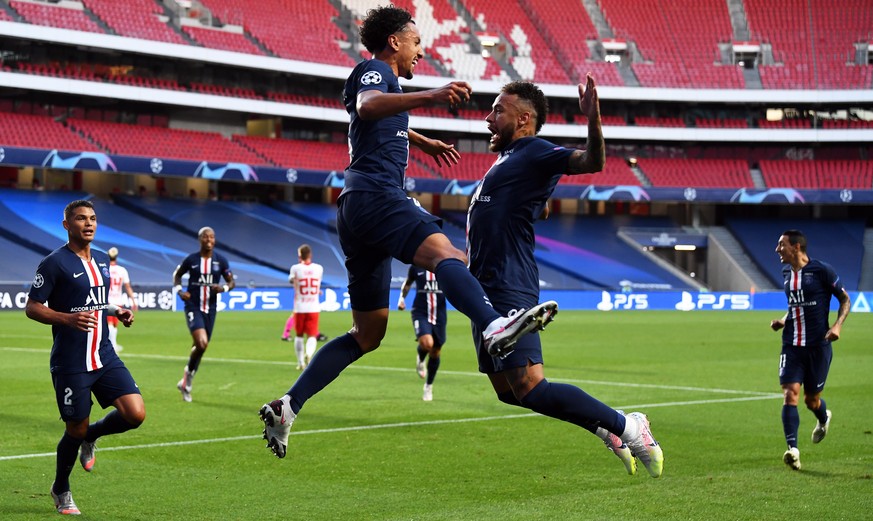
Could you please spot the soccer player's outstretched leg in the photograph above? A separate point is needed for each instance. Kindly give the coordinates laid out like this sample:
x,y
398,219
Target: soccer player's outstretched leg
x,y
515,192
376,221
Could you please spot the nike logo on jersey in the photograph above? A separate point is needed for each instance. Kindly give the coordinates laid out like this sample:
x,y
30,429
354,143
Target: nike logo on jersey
x,y
77,275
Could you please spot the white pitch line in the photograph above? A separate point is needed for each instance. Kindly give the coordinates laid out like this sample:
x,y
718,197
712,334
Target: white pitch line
x,y
765,394
386,426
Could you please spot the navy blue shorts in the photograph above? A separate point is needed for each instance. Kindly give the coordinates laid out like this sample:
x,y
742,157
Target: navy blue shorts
x,y
528,348
423,327
373,228
806,365
197,319
73,391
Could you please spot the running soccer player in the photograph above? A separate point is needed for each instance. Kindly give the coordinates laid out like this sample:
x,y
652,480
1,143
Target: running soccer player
x,y
429,322
377,221
305,276
69,292
806,337
205,270
119,283
515,192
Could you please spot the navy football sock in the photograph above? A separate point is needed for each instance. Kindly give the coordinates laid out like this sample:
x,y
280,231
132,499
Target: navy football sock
x,y
421,354
790,424
571,404
112,423
325,366
194,362
433,364
465,293
68,449
822,412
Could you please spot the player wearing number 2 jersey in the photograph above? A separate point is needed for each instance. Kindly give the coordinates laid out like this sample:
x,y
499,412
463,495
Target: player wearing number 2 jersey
x,y
70,292
305,276
205,269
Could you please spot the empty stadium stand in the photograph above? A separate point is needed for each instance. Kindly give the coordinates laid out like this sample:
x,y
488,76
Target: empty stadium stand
x,y
223,40
820,174
812,42
54,15
290,29
144,19
589,248
837,242
28,130
119,138
298,154
150,249
678,41
712,173
262,235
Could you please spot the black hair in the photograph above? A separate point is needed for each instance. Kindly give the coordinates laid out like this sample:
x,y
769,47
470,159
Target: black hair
x,y
796,237
533,95
78,203
381,23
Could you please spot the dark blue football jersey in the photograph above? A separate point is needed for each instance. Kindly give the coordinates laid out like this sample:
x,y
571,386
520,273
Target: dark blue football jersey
x,y
809,294
511,196
202,273
68,284
378,149
429,302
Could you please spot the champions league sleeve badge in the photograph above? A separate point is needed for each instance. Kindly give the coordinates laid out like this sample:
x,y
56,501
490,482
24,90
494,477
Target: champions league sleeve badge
x,y
371,78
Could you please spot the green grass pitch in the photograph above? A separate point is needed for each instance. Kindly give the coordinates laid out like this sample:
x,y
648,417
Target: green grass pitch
x,y
368,448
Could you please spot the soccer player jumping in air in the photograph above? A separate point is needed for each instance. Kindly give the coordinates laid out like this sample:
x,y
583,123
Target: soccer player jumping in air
x,y
377,221
515,192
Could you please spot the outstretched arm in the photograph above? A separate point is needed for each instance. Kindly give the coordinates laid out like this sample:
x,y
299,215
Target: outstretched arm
x,y
374,104
443,153
593,158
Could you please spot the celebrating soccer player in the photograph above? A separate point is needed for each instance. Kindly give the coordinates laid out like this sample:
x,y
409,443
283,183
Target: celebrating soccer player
x,y
377,221
69,292
205,269
806,339
515,192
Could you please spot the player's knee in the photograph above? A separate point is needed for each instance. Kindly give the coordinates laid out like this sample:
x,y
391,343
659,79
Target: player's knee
x,y
77,430
367,342
812,402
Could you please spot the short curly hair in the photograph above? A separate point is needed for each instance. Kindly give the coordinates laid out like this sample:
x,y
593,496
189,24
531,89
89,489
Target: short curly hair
x,y
530,92
381,23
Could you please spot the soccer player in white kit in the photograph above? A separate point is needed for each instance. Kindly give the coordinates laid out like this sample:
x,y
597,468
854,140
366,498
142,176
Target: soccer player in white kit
x,y
119,281
305,276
